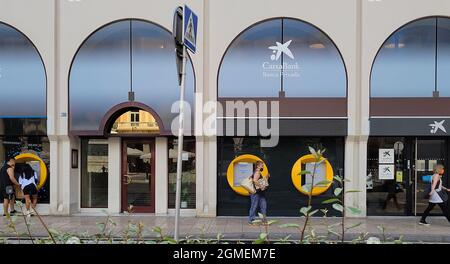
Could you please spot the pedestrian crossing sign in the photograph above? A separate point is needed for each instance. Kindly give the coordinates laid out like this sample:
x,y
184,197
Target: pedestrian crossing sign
x,y
190,20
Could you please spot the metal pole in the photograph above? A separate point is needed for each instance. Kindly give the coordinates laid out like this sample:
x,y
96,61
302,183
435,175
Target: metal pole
x,y
180,146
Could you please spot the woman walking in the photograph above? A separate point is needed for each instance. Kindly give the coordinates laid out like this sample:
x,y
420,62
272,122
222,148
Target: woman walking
x,y
258,199
436,196
28,181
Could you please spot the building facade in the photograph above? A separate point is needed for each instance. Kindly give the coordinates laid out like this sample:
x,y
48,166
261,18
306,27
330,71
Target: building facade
x,y
87,89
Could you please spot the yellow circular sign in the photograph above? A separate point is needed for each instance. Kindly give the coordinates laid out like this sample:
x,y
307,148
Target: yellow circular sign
x,y
24,157
297,178
248,158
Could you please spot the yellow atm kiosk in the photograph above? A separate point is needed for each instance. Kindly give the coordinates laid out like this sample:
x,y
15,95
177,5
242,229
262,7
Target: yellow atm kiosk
x,y
324,172
240,168
36,163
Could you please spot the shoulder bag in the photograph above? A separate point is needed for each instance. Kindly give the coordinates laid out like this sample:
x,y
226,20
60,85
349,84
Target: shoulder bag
x,y
247,184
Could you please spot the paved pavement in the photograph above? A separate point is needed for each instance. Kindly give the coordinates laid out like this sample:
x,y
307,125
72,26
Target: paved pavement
x,y
236,228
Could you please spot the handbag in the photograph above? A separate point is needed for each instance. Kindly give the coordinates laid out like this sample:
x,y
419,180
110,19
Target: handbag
x,y
443,194
9,189
264,183
247,184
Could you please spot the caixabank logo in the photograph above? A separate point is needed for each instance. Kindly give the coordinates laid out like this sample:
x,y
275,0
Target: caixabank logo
x,y
282,62
436,126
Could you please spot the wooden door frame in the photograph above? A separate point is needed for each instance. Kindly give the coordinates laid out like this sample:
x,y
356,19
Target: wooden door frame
x,y
123,198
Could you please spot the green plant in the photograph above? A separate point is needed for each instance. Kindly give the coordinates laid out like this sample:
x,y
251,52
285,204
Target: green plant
x,y
264,237
105,228
184,194
306,211
12,224
45,226
161,237
361,238
27,224
338,204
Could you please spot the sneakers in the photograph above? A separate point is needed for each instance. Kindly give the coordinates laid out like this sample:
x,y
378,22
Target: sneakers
x,y
423,222
13,212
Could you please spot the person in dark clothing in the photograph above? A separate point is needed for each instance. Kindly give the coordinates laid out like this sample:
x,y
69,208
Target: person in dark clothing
x,y
434,197
392,194
7,182
28,181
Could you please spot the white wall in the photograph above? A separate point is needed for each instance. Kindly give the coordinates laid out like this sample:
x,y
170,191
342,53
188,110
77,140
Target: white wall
x,y
161,175
114,175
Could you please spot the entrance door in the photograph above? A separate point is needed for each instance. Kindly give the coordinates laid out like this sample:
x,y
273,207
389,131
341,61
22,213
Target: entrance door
x,y
427,153
138,175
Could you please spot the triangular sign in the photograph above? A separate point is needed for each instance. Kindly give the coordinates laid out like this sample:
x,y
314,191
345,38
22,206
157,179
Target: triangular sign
x,y
190,34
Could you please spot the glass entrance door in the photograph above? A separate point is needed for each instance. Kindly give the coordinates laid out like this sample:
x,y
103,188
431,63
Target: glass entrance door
x,y
387,181
428,153
138,176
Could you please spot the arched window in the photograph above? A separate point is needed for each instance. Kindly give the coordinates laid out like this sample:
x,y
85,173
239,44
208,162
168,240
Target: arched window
x,y
413,63
119,58
135,121
283,59
22,76
23,107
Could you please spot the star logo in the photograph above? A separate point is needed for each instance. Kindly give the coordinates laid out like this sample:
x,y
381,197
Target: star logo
x,y
437,126
280,49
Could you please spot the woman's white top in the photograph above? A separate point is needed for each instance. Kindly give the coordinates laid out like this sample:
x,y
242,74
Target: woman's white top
x,y
435,198
24,182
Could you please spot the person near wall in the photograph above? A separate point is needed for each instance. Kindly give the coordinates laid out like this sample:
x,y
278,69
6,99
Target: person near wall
x,y
28,181
258,199
392,189
7,182
436,195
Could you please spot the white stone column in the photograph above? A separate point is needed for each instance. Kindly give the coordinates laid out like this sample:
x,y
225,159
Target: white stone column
x,y
199,176
60,173
207,181
75,176
161,177
54,178
114,174
355,172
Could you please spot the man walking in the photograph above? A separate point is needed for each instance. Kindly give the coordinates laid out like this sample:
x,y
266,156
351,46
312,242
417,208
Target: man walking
x,y
7,182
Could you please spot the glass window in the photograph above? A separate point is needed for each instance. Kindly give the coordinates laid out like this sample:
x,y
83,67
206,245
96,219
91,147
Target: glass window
x,y
120,57
22,76
248,68
282,197
154,70
443,57
188,176
138,174
94,173
37,149
405,65
386,196
317,67
100,68
135,122
282,55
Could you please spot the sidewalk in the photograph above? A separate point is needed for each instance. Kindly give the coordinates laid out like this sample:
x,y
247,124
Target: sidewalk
x,y
236,228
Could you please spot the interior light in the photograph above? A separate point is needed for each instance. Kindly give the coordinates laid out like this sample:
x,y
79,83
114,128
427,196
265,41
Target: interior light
x,y
317,46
